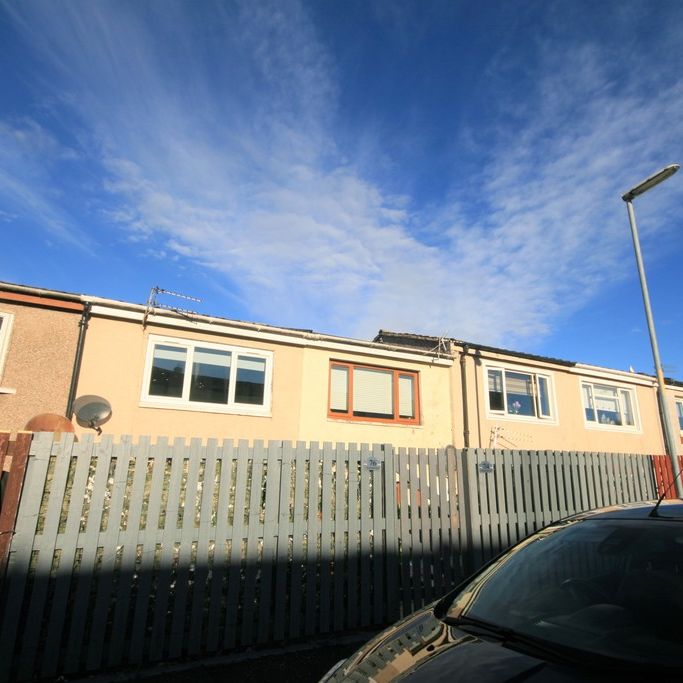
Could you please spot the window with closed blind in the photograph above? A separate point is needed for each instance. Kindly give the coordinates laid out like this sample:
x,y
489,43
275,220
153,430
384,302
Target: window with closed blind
x,y
368,393
517,393
203,376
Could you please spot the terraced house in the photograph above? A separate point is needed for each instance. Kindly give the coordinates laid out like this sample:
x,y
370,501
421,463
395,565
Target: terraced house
x,y
167,373
517,400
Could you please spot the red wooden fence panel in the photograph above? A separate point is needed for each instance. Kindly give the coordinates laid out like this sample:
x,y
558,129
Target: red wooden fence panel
x,y
13,461
661,464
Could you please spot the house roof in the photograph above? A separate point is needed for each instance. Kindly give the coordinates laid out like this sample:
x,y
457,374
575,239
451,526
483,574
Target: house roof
x,y
180,317
426,341
424,345
433,343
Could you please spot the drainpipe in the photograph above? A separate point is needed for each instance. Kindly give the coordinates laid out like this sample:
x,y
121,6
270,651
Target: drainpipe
x,y
82,327
465,412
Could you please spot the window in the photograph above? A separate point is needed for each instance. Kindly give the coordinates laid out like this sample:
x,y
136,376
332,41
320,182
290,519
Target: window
x,y
526,394
679,412
608,405
373,394
6,320
203,376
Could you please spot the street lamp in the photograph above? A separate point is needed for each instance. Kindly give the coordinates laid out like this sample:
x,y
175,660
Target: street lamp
x,y
628,197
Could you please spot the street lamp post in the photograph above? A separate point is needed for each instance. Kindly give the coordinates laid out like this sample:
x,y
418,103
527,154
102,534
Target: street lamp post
x,y
628,197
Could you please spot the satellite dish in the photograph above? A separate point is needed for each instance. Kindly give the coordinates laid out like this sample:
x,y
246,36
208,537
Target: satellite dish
x,y
92,411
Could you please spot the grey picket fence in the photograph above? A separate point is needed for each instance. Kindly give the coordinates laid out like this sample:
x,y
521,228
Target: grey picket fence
x,y
510,494
126,554
130,553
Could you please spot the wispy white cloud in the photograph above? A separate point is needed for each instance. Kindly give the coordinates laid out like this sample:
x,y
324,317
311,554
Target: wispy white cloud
x,y
216,140
28,152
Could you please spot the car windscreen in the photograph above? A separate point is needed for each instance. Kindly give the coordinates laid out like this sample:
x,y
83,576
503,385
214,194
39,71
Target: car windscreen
x,y
608,587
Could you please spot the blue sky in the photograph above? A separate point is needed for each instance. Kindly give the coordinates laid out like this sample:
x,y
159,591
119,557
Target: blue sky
x,y
446,168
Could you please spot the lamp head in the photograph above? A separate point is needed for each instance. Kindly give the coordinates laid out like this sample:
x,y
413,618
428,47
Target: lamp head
x,y
650,182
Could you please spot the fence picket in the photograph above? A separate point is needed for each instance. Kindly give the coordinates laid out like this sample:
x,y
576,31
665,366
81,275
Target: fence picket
x,y
282,537
416,550
365,531
527,491
313,538
202,585
390,549
563,476
518,530
254,544
427,552
341,458
187,536
354,503
68,541
326,557
148,539
406,545
238,559
138,455
221,550
298,558
378,538
270,539
501,519
449,477
602,483
510,530
108,540
87,572
19,564
435,523
44,567
164,576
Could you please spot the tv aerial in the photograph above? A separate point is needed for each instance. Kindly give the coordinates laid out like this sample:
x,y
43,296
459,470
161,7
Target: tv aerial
x,y
92,411
152,303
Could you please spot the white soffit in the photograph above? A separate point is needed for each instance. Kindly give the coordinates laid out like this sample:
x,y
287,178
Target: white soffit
x,y
265,335
593,372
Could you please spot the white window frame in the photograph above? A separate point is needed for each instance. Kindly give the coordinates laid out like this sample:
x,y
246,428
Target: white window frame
x,y
522,370
183,403
5,335
595,424
678,403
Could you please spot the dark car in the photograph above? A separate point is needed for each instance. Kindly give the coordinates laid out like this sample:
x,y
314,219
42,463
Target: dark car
x,y
595,597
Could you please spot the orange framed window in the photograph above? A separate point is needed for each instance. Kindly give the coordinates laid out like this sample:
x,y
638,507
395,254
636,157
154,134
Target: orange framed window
x,y
373,394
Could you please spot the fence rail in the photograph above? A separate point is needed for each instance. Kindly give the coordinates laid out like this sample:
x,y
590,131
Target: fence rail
x,y
130,553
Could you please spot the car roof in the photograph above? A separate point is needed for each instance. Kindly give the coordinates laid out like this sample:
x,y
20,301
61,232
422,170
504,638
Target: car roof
x,y
668,509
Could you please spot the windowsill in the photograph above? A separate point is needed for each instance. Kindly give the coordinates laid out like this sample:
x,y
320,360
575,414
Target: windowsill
x,y
511,417
613,428
222,410
373,423
7,390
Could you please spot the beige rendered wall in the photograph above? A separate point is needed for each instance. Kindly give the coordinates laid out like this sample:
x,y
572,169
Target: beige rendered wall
x,y
38,363
113,367
569,430
675,394
434,431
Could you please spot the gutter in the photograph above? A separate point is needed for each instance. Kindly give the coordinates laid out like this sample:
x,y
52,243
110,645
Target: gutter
x,y
82,328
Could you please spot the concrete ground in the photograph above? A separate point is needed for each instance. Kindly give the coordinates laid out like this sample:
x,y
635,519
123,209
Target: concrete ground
x,y
298,666
301,663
